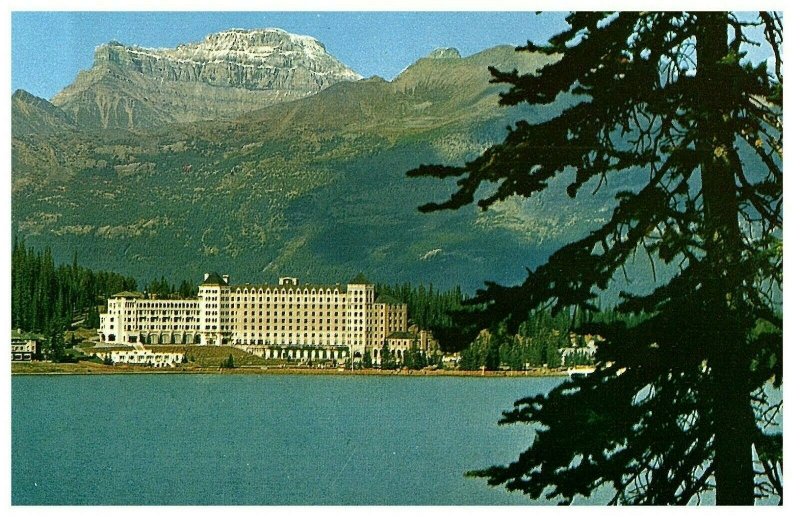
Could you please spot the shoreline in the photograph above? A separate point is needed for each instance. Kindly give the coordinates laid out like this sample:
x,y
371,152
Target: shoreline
x,y
87,368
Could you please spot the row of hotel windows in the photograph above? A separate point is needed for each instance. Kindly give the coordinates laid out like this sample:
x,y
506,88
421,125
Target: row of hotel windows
x,y
354,311
291,313
294,306
275,335
152,322
291,299
212,309
290,327
290,320
246,299
335,332
167,327
300,318
225,328
245,329
194,306
145,312
283,318
167,318
292,292
159,304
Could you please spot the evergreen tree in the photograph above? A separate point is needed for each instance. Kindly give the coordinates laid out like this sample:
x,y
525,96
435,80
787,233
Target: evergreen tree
x,y
418,359
484,352
55,348
387,358
667,102
414,359
228,363
491,359
187,289
93,317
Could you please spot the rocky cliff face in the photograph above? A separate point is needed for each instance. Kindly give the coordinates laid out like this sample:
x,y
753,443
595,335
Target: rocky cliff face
x,y
224,76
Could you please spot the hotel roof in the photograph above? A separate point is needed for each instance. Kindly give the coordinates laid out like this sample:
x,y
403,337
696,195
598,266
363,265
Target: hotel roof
x,y
214,279
128,294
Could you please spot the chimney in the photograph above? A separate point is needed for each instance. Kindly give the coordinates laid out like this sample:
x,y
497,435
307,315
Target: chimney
x,y
205,277
225,278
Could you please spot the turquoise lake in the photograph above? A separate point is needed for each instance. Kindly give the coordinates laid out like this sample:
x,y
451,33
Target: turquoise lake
x,y
262,440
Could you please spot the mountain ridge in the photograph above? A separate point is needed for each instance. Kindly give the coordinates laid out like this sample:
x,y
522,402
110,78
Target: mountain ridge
x,y
223,76
34,115
313,187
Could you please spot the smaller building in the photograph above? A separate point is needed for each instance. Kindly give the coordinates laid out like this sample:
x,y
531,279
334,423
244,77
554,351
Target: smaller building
x,y
142,357
426,343
24,347
401,343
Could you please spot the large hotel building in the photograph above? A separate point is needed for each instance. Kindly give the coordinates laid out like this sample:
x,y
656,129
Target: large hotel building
x,y
266,319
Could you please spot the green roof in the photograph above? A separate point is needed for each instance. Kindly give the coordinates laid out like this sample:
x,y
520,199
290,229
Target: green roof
x,y
128,294
360,279
214,279
388,300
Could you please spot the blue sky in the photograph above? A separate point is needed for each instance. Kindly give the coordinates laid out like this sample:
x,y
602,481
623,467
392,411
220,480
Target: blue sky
x,y
48,49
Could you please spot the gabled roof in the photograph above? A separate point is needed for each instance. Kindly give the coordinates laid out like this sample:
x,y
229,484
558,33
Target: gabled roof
x,y
214,279
360,279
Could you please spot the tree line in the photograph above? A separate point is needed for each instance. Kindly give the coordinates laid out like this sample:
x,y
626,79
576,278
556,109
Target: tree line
x,y
538,342
44,296
163,289
428,308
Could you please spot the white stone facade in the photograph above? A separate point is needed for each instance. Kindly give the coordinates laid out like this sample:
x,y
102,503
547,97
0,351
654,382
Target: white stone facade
x,y
144,357
23,349
286,315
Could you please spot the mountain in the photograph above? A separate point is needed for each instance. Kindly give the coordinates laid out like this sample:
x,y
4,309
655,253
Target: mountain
x,y
445,52
314,187
34,115
223,76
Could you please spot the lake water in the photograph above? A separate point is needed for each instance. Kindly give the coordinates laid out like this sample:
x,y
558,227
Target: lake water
x,y
262,440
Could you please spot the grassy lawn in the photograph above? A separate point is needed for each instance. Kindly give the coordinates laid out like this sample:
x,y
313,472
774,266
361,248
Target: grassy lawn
x,y
81,334
211,356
